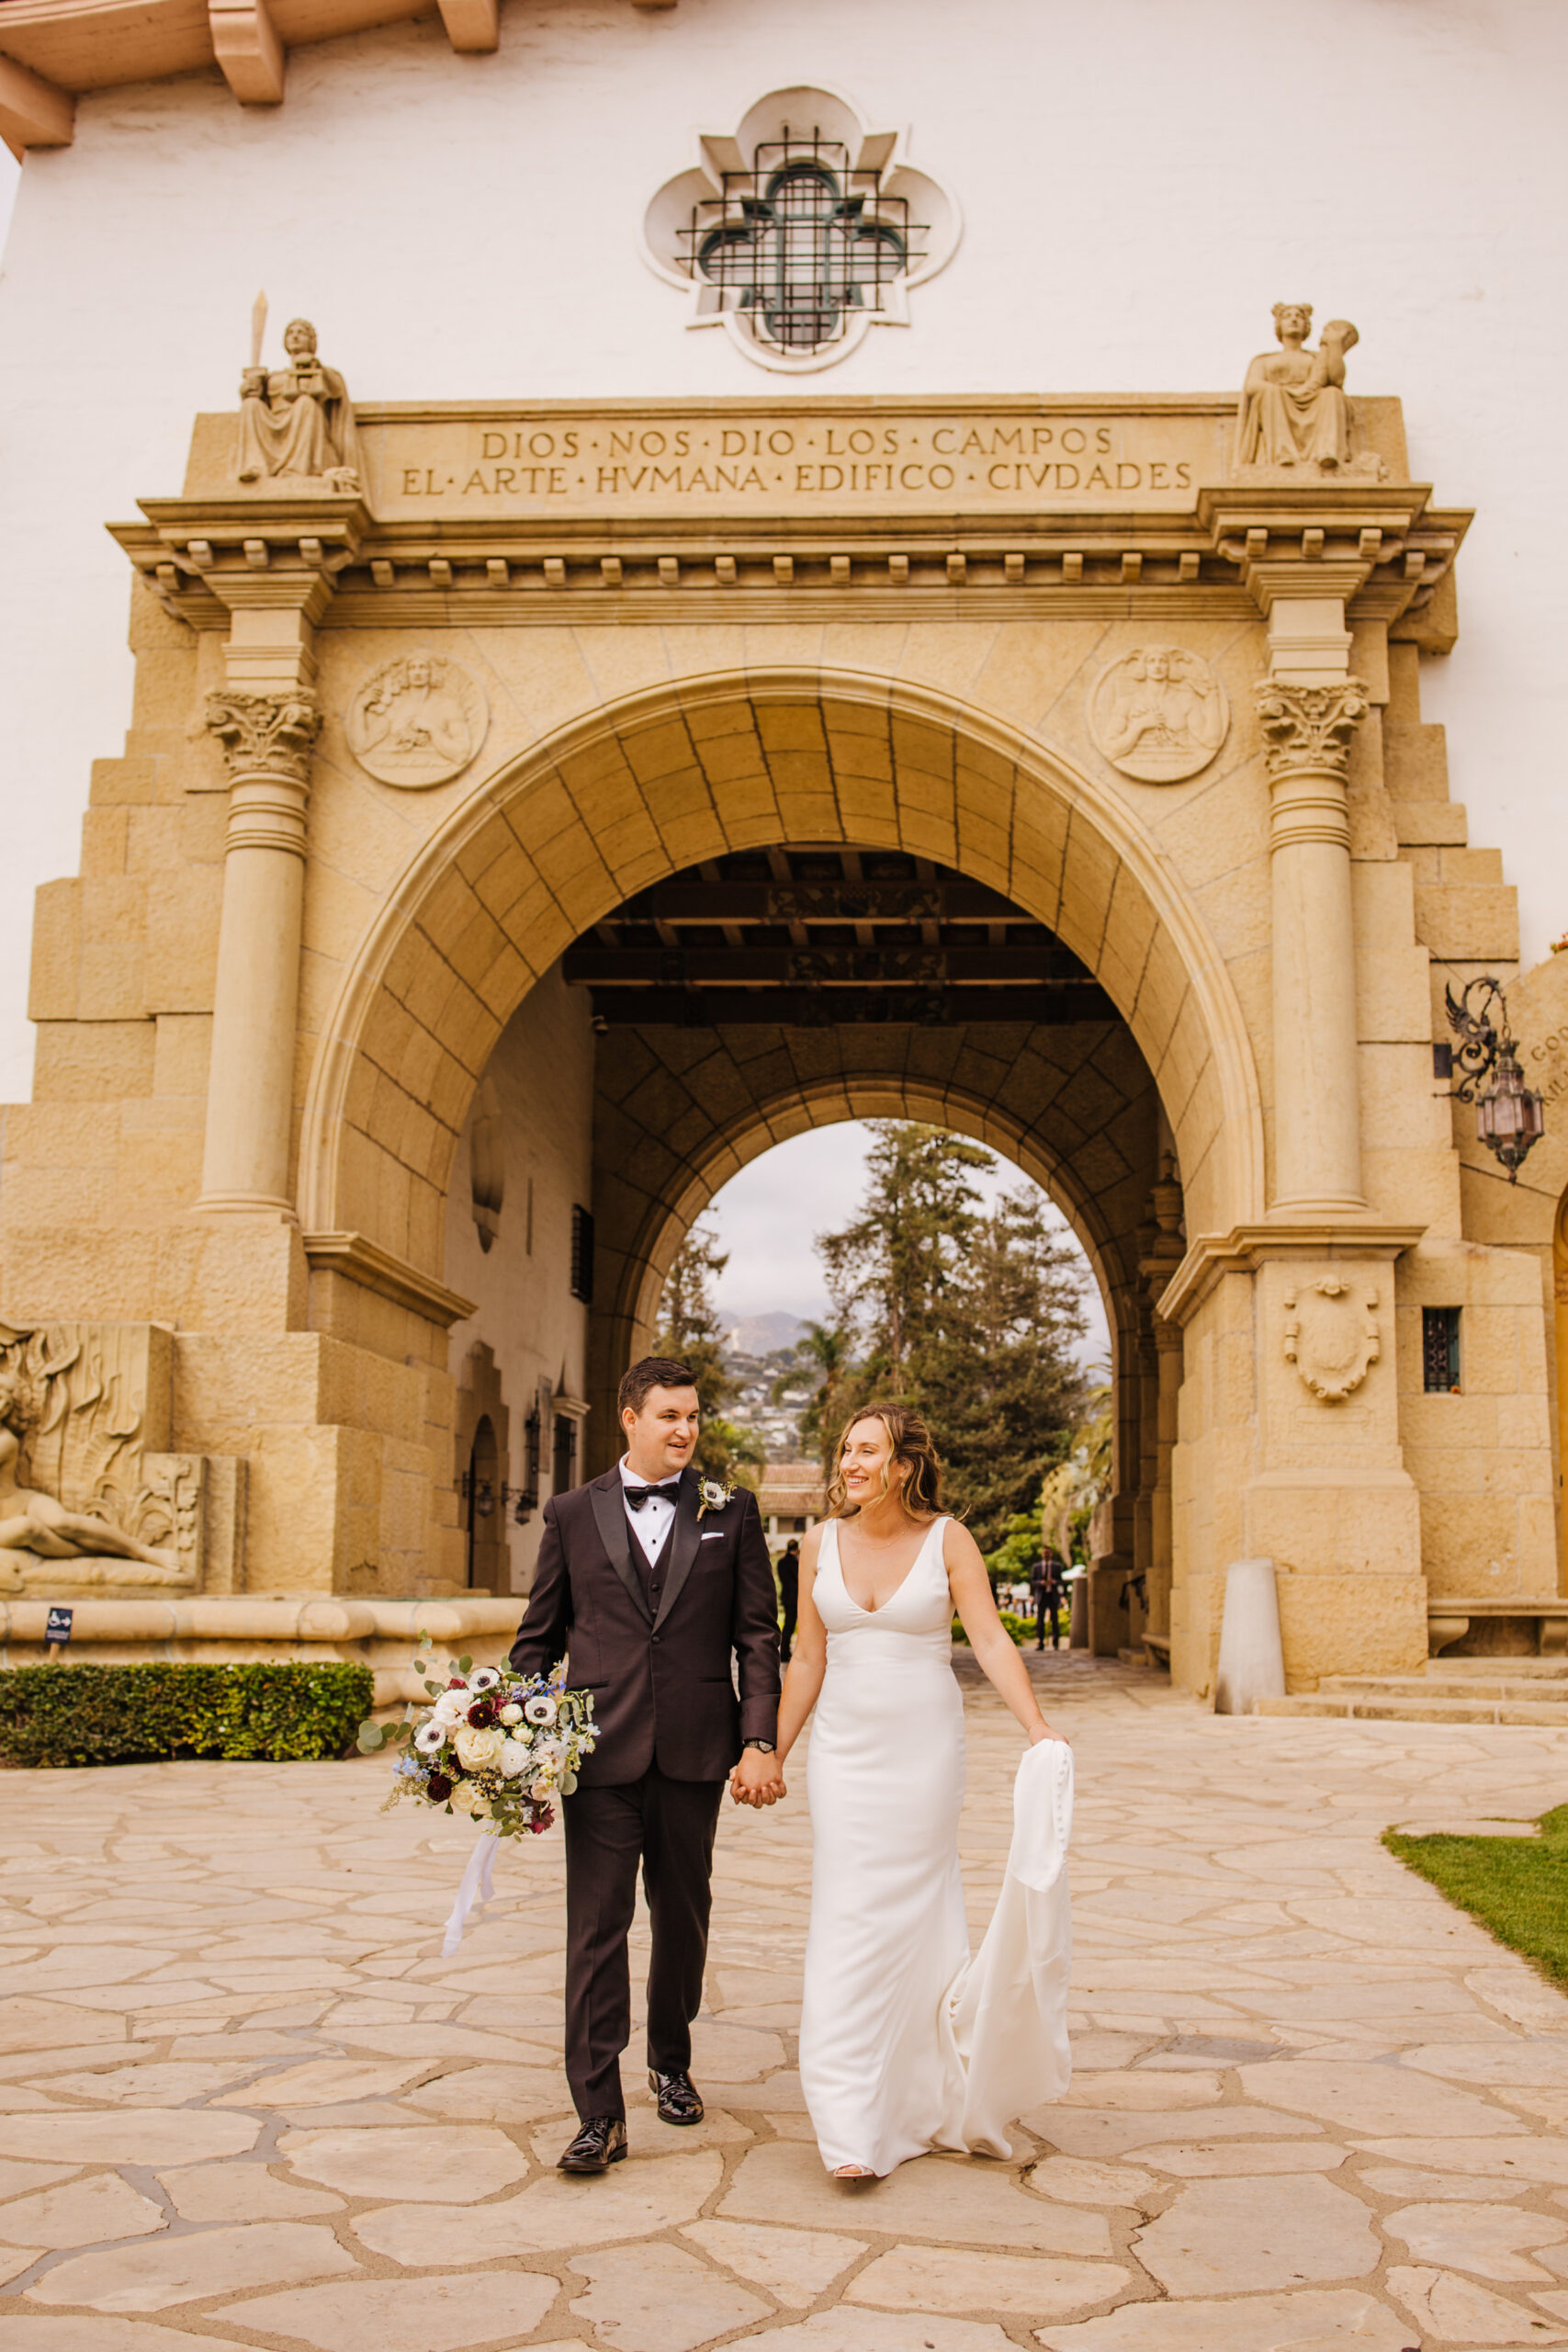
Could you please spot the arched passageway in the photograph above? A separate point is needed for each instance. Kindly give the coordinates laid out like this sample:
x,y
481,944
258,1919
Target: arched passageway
x,y
706,767
1144,1058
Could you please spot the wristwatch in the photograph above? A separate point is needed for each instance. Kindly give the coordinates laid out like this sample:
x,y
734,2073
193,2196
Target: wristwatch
x,y
763,1747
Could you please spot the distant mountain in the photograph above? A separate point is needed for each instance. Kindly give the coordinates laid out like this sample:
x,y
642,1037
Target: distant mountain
x,y
763,1335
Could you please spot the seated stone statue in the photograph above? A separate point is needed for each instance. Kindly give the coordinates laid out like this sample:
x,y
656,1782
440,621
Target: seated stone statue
x,y
35,1528
1294,417
296,423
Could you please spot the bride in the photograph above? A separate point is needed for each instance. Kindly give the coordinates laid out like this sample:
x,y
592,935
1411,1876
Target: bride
x,y
883,2077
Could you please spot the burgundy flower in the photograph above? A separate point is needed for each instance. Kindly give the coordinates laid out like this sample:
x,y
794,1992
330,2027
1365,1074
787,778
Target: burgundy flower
x,y
438,1787
482,1713
457,1683
541,1821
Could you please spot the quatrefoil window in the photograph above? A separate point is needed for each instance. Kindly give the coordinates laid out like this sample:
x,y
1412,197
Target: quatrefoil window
x,y
799,244
800,230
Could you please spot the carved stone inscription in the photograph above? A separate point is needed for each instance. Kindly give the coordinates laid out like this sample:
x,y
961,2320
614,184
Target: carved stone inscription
x,y
809,456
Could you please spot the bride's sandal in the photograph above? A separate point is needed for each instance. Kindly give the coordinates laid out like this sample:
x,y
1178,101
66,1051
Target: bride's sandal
x,y
854,2172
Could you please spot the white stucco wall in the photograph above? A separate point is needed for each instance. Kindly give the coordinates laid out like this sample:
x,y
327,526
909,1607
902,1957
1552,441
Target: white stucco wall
x,y
1140,183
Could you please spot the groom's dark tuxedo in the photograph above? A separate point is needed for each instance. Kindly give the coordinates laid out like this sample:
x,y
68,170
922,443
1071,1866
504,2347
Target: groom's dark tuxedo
x,y
653,1640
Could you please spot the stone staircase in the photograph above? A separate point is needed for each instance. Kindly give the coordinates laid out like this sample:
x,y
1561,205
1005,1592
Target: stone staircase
x,y
1451,1691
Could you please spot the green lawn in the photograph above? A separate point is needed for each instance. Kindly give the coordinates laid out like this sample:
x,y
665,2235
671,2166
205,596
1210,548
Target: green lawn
x,y
1516,1886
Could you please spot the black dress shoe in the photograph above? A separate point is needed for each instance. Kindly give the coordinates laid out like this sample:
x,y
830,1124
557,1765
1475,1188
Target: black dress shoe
x,y
678,2101
601,2144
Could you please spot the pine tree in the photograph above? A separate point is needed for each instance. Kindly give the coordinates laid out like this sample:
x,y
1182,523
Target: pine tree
x,y
896,1275
688,1329
969,1318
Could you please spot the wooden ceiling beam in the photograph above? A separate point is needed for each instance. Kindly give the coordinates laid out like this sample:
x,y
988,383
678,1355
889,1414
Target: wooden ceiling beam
x,y
473,26
250,53
33,112
849,1008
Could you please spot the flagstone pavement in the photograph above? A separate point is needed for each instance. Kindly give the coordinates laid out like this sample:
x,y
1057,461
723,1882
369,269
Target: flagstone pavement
x,y
245,2101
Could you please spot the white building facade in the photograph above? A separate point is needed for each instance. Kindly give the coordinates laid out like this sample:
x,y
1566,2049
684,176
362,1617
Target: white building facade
x,y
502,223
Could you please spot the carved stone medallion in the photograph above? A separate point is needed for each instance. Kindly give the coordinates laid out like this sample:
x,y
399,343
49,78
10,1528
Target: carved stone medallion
x,y
417,720
1159,713
1331,1335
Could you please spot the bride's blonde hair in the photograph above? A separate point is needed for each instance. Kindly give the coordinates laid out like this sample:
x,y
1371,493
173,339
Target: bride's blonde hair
x,y
911,1442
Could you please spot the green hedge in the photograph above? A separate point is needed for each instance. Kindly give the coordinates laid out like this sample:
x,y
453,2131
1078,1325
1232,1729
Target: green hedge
x,y
134,1714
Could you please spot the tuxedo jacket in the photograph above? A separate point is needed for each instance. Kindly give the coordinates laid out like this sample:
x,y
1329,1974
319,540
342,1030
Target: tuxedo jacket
x,y
661,1678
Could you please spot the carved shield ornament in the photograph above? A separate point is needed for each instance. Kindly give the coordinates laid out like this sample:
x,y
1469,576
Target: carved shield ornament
x,y
1331,1336
1159,713
417,720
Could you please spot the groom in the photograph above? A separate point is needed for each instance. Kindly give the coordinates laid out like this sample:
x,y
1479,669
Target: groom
x,y
652,1589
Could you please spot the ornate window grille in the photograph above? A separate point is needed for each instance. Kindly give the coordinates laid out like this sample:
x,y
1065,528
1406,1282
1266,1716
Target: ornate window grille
x,y
527,1497
564,1463
583,1255
803,242
1440,1348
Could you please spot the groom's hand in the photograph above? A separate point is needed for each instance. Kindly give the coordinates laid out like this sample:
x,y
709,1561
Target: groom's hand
x,y
757,1778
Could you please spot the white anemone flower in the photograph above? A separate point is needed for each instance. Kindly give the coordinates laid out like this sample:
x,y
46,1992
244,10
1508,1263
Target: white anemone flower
x,y
430,1738
540,1710
483,1678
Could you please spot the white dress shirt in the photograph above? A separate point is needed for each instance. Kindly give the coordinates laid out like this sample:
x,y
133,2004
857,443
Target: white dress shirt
x,y
651,1525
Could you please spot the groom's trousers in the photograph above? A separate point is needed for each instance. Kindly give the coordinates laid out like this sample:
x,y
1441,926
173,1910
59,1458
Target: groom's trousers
x,y
669,1827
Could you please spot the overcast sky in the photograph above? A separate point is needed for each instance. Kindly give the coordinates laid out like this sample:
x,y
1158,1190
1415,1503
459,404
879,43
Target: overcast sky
x,y
768,1214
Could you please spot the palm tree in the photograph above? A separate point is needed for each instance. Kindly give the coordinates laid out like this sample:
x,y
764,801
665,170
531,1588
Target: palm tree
x,y
823,1358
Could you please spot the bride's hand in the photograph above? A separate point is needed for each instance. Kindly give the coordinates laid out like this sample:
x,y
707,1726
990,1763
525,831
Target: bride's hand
x,y
1043,1731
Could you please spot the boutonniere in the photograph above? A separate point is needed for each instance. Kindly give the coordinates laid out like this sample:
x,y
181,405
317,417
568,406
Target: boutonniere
x,y
711,1495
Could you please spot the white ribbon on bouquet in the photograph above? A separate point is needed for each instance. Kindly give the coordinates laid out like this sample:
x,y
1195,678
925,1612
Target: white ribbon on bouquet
x,y
478,1884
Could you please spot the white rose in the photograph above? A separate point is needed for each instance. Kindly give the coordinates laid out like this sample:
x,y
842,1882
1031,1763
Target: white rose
x,y
542,1792
478,1747
463,1797
512,1713
513,1757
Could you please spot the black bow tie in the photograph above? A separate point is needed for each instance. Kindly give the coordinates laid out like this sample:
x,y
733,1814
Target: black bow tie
x,y
638,1496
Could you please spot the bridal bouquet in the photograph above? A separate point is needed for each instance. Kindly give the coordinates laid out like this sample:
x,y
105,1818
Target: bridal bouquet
x,y
495,1745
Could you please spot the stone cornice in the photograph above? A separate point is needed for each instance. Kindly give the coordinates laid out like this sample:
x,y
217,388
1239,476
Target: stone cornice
x,y
1385,548
1246,1247
374,1269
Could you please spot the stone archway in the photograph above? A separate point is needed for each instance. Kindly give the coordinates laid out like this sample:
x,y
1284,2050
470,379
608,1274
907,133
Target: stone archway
x,y
724,763
735,759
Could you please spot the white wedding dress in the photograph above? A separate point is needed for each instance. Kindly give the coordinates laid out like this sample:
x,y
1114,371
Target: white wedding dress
x,y
906,2044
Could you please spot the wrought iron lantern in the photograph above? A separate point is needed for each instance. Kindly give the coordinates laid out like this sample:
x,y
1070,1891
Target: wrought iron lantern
x,y
1509,1115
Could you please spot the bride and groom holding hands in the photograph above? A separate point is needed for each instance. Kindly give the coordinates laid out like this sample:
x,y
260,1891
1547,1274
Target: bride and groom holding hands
x,y
658,1586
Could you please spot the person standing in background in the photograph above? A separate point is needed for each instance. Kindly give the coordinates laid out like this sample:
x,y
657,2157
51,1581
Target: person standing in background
x,y
1048,1585
789,1593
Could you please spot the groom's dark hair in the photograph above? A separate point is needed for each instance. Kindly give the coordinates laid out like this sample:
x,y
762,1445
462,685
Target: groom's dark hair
x,y
652,1372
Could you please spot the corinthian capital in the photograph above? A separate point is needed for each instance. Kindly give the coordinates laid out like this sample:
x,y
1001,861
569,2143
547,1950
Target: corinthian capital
x,y
1310,728
270,735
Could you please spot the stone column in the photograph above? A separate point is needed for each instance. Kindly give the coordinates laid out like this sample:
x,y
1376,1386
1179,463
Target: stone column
x,y
267,739
1307,731
1156,1266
